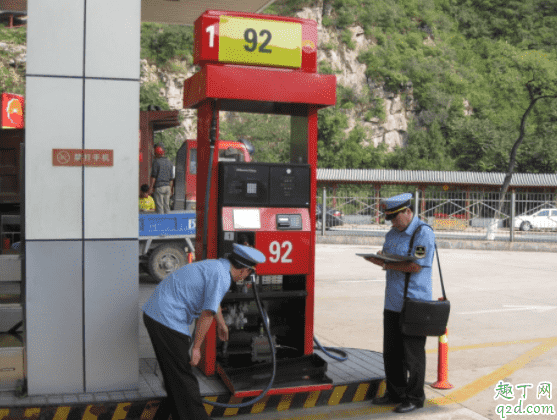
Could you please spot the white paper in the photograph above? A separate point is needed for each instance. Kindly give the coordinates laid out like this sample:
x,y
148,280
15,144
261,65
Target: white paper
x,y
246,219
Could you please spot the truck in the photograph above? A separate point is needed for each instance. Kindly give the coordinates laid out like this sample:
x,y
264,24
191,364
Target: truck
x,y
165,240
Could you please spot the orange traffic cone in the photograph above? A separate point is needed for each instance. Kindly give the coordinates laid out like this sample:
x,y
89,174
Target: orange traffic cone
x,y
190,257
443,363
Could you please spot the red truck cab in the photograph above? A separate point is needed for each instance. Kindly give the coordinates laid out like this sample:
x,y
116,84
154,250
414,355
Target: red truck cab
x,y
228,151
186,168
186,158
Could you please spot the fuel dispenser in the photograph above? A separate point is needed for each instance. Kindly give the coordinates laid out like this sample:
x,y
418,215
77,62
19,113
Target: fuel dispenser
x,y
266,206
269,206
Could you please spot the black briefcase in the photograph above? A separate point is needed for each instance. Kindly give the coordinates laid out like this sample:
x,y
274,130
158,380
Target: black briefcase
x,y
424,317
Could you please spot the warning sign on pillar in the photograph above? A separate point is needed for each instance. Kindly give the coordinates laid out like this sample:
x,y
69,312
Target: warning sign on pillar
x,y
82,157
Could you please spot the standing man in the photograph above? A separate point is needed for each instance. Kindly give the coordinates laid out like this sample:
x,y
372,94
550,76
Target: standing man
x,y
404,355
161,181
194,291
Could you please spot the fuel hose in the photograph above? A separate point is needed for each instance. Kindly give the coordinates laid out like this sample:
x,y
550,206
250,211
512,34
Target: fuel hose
x,y
343,355
212,139
273,355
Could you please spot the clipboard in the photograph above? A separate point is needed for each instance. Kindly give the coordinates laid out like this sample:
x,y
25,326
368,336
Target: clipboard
x,y
389,257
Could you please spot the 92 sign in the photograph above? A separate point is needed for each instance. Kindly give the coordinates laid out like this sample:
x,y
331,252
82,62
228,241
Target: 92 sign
x,y
261,42
251,37
285,252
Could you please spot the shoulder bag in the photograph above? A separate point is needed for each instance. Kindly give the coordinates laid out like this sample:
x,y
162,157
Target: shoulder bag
x,y
424,317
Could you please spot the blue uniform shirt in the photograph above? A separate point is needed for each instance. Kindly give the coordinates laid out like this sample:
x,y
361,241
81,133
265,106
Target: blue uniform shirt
x,y
181,297
397,243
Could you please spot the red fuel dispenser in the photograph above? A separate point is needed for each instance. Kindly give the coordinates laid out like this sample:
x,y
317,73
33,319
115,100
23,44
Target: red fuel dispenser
x,y
269,206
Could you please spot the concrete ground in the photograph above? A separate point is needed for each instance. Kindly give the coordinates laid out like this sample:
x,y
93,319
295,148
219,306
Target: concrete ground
x,y
502,328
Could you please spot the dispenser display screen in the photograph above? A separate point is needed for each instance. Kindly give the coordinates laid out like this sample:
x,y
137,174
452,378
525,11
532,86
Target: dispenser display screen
x,y
245,185
264,184
289,186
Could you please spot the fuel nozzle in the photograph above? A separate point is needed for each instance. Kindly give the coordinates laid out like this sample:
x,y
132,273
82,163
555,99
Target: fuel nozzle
x,y
251,278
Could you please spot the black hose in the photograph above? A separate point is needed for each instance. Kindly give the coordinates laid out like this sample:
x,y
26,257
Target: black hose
x,y
344,355
273,355
212,140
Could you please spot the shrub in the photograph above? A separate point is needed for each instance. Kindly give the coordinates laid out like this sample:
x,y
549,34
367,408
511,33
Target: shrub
x,y
346,37
160,43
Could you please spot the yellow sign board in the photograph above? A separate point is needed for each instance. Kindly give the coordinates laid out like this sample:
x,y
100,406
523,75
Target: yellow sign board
x,y
260,42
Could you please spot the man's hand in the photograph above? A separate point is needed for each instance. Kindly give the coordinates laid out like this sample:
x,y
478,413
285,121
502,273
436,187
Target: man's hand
x,y
222,331
195,356
375,261
201,327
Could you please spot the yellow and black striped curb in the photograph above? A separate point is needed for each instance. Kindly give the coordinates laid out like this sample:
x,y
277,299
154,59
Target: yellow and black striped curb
x,y
146,409
339,394
140,410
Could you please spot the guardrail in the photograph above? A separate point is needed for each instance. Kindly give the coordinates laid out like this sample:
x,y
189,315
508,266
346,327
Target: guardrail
x,y
525,216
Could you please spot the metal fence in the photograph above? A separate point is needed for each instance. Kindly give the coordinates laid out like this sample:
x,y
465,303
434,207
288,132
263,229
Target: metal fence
x,y
460,214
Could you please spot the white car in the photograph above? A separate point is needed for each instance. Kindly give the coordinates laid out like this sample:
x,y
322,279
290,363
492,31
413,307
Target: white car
x,y
543,219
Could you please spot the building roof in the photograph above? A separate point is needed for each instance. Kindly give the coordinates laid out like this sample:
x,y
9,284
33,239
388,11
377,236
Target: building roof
x,y
183,12
392,176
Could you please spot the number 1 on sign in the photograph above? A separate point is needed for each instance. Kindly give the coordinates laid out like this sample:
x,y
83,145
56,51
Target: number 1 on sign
x,y
211,31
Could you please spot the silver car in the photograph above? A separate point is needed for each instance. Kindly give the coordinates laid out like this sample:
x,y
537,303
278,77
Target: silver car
x,y
543,219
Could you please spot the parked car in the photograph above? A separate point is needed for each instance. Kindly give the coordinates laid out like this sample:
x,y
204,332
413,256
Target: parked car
x,y
543,219
334,217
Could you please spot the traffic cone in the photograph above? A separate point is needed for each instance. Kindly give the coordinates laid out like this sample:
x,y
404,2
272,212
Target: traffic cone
x,y
443,363
190,257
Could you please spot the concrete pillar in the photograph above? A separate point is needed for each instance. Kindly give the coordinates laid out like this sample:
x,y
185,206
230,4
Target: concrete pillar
x,y
82,221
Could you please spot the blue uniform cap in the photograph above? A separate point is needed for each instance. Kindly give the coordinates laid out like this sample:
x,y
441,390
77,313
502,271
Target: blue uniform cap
x,y
247,256
393,205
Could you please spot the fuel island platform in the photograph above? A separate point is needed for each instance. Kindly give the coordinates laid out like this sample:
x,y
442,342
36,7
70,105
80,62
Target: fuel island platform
x,y
360,378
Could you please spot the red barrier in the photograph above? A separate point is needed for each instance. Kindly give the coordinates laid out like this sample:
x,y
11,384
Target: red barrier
x,y
443,364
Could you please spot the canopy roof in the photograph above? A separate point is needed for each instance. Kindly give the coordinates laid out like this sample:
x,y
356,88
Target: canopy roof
x,y
179,12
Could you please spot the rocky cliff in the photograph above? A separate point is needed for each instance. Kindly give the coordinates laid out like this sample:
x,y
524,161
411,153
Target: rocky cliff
x,y
386,125
391,125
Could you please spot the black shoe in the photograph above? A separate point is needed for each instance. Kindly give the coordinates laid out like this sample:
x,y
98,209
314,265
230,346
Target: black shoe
x,y
406,407
385,400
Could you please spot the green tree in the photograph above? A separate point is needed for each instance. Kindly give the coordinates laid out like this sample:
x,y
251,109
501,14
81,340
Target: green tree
x,y
537,72
426,149
338,150
269,134
331,126
150,94
172,139
161,42
477,144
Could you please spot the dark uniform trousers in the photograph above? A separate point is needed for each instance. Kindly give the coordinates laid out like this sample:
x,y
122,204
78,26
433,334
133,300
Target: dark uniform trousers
x,y
182,387
404,359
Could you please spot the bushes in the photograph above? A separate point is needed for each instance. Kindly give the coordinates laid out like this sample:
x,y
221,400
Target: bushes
x,y
160,43
149,94
13,35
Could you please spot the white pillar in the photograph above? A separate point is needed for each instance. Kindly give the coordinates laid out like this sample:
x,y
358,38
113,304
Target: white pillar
x,y
81,222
